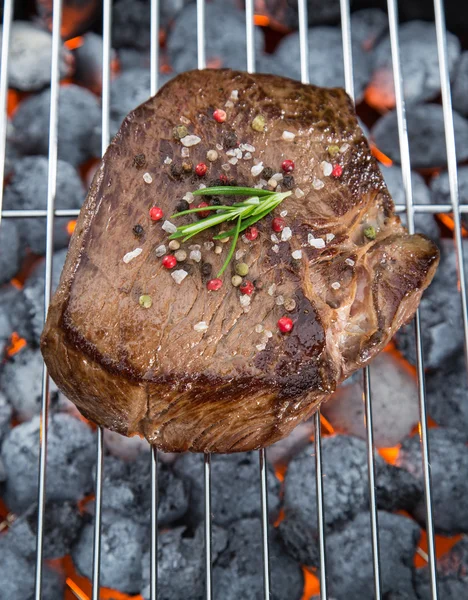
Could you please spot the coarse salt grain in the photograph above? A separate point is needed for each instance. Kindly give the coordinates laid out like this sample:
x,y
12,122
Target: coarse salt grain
x,y
208,245
275,248
274,238
201,326
179,275
237,153
195,255
247,156
230,152
245,239
133,254
239,254
288,135
245,300
272,289
185,121
218,249
257,169
350,262
219,147
235,95
185,152
202,186
147,178
233,161
279,300
190,140
189,197
284,213
169,227
278,177
317,184
343,148
272,183
229,104
260,347
212,155
336,285
268,333
167,160
286,234
299,193
226,167
317,243
249,147
326,168
329,237
259,328
297,254
160,251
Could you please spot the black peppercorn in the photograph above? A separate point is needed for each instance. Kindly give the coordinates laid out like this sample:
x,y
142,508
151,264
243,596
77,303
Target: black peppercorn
x,y
187,166
267,173
182,205
258,284
288,182
176,171
215,200
206,269
187,268
230,140
138,230
139,161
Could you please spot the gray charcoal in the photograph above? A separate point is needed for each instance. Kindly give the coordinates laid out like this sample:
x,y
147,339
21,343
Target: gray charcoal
x,y
30,57
281,452
440,310
88,62
21,381
440,188
122,541
426,136
79,115
131,58
62,524
181,567
27,189
426,224
419,64
396,489
237,571
53,584
16,574
325,59
78,15
5,417
14,315
446,394
452,570
368,27
11,250
235,488
70,458
394,403
127,490
286,13
34,291
460,85
449,461
349,558
224,35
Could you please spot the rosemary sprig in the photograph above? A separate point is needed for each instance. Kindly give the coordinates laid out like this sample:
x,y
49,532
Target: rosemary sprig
x,y
245,213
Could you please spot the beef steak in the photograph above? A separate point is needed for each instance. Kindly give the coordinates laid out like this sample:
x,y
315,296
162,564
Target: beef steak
x,y
238,383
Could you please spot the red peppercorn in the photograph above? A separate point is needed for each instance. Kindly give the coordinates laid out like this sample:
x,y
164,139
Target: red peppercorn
x,y
156,213
169,261
247,287
285,324
219,115
223,178
203,213
287,166
251,233
337,171
278,224
214,285
201,169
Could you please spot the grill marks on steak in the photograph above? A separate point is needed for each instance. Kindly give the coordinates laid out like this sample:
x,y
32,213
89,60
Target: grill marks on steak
x,y
147,371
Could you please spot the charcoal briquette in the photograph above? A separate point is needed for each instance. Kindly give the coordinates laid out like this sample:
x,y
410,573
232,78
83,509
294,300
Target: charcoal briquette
x,y
16,574
6,413
286,13
11,250
440,188
368,27
14,315
460,85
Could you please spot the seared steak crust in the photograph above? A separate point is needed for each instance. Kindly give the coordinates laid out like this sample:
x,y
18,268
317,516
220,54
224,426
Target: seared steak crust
x,y
239,384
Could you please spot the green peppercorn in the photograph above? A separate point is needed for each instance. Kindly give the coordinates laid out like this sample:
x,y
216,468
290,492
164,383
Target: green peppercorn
x,y
242,269
333,150
145,301
236,280
370,233
179,132
258,124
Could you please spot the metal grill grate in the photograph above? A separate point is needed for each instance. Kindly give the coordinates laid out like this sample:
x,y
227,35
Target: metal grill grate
x,y
409,208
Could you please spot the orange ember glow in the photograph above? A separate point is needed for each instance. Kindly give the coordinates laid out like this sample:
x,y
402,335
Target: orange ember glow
x,y
279,518
71,227
380,156
442,544
390,455
311,584
280,471
75,42
13,99
326,424
261,20
448,221
16,283
16,344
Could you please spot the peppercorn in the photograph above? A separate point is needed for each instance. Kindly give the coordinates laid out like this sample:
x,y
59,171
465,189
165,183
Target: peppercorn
x,y
215,200
206,269
267,173
214,285
236,280
370,233
219,115
169,261
145,301
201,169
230,140
287,165
242,269
155,213
204,213
138,230
251,233
278,224
288,182
176,171
337,171
180,255
285,324
139,161
179,132
188,268
258,284
174,245
187,166
258,124
182,205
246,287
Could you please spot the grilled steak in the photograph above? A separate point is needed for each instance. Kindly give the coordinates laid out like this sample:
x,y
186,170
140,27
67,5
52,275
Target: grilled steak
x,y
210,371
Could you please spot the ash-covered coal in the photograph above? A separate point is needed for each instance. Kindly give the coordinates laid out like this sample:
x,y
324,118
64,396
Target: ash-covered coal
x,y
419,65
460,85
426,136
225,38
30,57
34,292
325,59
6,413
449,461
127,490
286,13
423,223
440,188
440,311
88,62
79,115
62,525
235,486
123,542
14,316
394,396
12,250
452,571
281,452
345,481
70,459
368,26
237,572
181,566
27,189
349,558
446,394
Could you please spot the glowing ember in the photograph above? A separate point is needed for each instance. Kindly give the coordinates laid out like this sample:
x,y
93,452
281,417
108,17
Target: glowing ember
x,y
380,156
75,42
311,584
390,455
261,20
71,227
448,221
16,344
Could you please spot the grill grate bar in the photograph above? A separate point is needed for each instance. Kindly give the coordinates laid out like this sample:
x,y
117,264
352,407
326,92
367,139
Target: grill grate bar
x,y
6,30
250,31
406,169
207,486
367,396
